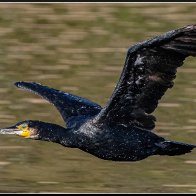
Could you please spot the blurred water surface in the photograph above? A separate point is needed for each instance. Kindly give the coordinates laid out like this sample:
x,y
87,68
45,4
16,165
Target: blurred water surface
x,y
80,48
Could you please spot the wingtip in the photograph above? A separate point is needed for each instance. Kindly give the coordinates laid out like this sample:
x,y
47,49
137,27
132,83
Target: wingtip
x,y
18,84
21,84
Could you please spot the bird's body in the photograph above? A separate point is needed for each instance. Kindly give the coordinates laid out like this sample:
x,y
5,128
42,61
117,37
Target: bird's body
x,y
118,143
123,129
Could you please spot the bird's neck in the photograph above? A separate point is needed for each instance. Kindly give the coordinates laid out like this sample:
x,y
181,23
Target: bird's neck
x,y
60,135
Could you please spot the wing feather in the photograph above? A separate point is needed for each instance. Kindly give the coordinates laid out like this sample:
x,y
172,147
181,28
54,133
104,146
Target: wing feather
x,y
70,106
149,70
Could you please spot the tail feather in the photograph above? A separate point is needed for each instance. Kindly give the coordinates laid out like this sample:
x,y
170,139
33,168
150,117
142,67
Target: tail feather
x,y
172,148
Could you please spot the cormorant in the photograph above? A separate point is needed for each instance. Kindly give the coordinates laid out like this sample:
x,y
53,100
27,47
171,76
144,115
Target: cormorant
x,y
123,129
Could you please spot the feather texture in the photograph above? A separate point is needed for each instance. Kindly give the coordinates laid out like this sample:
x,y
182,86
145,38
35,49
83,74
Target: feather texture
x,y
149,70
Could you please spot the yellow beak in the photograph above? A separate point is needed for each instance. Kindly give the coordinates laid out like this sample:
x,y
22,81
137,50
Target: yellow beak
x,y
25,133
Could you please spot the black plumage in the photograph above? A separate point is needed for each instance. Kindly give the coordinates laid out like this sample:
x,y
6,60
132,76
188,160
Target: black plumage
x,y
122,130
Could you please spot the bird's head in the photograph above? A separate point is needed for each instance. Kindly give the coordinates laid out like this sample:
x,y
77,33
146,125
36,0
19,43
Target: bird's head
x,y
27,129
38,130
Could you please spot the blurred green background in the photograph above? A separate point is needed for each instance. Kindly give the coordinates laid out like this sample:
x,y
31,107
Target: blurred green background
x,y
81,48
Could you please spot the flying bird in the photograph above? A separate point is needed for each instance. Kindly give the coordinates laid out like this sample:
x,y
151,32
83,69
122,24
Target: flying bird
x,y
123,129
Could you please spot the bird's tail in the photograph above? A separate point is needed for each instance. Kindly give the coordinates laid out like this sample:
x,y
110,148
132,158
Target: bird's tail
x,y
172,148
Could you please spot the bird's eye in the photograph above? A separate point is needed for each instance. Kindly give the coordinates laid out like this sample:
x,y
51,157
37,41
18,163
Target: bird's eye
x,y
23,126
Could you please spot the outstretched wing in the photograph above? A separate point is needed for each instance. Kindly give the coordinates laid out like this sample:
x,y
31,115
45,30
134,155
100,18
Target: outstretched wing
x,y
149,70
70,106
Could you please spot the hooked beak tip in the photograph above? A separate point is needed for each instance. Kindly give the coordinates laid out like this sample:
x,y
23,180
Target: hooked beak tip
x,y
9,131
